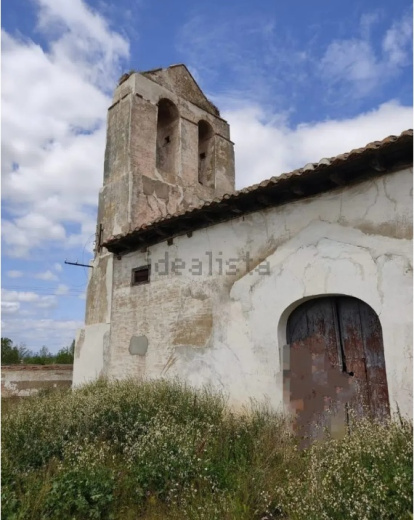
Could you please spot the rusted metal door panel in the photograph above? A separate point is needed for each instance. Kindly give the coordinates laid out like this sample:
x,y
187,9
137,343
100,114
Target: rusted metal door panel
x,y
336,361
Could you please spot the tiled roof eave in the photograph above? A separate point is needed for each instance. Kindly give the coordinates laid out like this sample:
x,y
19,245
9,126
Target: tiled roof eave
x,y
376,158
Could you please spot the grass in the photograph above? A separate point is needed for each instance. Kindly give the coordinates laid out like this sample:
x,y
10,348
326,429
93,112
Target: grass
x,y
161,450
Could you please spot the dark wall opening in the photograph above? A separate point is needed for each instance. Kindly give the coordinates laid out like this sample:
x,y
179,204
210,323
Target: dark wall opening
x,y
167,136
205,154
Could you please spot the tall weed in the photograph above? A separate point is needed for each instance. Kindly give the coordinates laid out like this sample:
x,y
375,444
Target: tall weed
x,y
159,450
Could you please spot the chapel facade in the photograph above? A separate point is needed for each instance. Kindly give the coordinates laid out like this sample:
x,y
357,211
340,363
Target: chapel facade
x,y
297,291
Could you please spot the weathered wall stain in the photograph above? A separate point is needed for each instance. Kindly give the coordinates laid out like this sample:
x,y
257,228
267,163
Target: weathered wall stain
x,y
194,331
97,294
400,230
27,380
79,344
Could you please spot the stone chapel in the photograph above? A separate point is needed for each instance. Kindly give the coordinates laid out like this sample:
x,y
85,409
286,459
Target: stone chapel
x,y
296,291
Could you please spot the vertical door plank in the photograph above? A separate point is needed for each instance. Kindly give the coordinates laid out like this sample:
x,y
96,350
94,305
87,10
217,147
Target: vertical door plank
x,y
375,361
353,347
364,355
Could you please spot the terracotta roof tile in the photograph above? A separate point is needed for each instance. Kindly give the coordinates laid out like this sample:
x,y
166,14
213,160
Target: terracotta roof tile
x,y
310,169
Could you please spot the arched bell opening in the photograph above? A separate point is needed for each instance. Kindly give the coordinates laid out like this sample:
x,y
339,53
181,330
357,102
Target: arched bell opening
x,y
167,136
205,154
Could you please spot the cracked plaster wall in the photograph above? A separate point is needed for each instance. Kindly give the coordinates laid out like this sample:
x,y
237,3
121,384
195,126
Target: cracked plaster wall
x,y
227,329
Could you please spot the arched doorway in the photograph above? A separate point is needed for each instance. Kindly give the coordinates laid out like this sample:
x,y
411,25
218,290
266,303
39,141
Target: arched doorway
x,y
336,360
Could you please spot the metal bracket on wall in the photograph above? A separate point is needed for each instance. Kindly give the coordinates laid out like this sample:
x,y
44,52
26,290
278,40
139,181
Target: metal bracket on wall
x,y
78,264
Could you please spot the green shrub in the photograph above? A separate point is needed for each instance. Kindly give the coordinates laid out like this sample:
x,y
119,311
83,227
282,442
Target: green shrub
x,y
367,474
155,450
81,493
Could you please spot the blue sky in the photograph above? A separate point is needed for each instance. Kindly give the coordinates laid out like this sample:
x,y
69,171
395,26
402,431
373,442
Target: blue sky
x,y
297,81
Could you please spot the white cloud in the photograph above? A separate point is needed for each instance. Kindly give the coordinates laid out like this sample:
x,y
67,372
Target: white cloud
x,y
9,307
55,334
47,275
267,146
397,42
14,274
62,289
30,231
18,296
368,21
41,301
211,54
267,62
83,38
57,267
47,302
54,132
351,59
355,62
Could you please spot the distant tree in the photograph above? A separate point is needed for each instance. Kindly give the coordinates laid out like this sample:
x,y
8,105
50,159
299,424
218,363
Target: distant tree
x,y
9,352
46,356
43,357
24,352
44,352
65,354
6,343
13,354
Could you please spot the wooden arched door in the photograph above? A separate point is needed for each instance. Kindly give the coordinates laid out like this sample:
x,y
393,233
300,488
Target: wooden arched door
x,y
336,359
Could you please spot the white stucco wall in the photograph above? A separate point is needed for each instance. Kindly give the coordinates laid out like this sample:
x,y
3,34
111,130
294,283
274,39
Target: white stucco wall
x,y
90,351
92,341
226,329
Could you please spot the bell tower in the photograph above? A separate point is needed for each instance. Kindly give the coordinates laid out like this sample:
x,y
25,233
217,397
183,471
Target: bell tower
x,y
167,149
